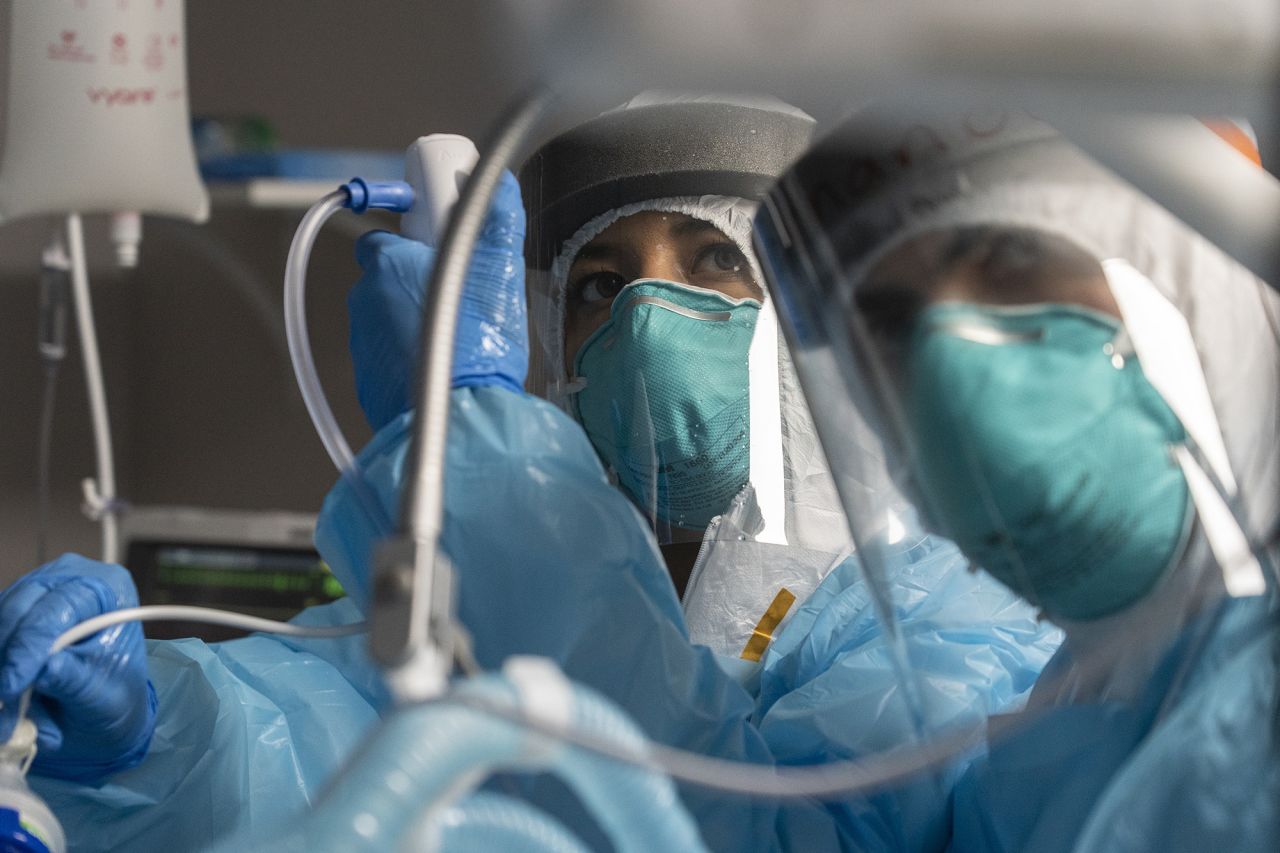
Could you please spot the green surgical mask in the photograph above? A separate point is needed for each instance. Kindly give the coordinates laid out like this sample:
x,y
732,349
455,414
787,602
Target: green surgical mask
x,y
666,399
1043,451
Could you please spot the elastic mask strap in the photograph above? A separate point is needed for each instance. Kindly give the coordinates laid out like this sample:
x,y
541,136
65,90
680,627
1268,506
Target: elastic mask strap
x,y
767,475
573,386
1167,352
1162,340
1241,571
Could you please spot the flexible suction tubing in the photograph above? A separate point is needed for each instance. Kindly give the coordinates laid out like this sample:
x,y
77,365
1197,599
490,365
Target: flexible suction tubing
x,y
304,367
295,324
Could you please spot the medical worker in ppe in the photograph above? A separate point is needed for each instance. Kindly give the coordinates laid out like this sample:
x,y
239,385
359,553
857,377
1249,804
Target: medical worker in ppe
x,y
1081,392
255,726
646,292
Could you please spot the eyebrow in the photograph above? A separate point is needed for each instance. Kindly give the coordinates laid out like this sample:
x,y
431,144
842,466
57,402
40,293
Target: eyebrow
x,y
689,226
596,251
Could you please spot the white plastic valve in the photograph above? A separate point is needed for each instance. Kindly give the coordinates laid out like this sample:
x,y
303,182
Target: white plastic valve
x,y
126,235
436,166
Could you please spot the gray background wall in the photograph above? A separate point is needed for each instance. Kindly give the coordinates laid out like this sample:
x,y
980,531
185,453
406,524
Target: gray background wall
x,y
203,402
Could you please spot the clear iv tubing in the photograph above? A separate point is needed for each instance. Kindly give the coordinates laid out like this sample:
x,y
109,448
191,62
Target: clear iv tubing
x,y
836,778
208,615
304,367
737,777
172,612
295,325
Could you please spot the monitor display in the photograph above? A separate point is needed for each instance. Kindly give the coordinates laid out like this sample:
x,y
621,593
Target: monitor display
x,y
258,576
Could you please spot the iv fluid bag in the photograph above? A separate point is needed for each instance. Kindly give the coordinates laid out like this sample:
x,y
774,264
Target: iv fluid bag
x,y
97,116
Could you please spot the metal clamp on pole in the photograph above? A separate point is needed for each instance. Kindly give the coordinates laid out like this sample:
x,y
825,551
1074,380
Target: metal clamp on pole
x,y
411,634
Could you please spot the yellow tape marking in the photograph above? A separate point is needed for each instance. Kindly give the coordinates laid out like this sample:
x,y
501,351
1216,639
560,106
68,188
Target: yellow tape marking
x,y
762,636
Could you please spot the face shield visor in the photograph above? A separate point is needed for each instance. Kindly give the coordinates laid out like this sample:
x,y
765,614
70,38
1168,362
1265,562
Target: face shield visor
x,y
1042,365
651,328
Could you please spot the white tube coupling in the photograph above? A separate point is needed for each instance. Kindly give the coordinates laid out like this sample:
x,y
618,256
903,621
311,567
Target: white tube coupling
x,y
126,237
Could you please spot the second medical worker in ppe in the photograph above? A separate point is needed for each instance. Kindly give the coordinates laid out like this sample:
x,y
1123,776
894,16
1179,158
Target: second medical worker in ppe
x,y
553,559
1082,393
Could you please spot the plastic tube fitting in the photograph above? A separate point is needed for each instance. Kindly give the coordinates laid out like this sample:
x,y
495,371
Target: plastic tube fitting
x,y
362,195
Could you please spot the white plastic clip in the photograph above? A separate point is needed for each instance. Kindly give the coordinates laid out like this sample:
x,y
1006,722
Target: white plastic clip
x,y
55,255
95,505
546,697
573,386
21,746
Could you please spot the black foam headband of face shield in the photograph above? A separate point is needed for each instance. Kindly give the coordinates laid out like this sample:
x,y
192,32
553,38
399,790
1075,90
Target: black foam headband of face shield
x,y
659,151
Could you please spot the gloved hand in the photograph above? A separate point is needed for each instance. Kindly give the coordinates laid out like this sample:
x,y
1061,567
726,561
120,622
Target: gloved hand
x,y
93,705
385,308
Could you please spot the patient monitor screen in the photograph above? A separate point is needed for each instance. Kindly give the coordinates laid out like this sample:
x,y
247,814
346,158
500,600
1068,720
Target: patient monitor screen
x,y
273,583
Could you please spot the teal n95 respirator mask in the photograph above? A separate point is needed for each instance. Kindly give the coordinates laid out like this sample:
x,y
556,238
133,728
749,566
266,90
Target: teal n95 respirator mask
x,y
1046,453
664,397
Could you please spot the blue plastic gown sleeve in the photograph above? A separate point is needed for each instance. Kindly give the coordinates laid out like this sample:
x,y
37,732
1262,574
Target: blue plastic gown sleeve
x,y
1191,769
552,560
827,684
1208,776
247,731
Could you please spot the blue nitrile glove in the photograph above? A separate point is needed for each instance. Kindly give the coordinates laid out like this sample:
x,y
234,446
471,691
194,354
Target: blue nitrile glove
x,y
93,705
385,308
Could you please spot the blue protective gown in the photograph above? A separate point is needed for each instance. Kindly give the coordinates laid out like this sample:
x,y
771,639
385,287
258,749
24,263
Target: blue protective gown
x,y
247,731
552,560
1193,764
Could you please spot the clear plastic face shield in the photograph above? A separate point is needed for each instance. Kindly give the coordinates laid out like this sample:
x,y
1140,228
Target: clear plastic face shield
x,y
669,354
651,327
660,308
1050,370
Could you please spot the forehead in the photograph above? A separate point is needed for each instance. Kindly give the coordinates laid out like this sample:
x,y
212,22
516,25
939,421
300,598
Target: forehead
x,y
643,229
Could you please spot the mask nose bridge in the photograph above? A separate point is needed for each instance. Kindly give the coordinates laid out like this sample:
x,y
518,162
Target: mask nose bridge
x,y
628,301
667,305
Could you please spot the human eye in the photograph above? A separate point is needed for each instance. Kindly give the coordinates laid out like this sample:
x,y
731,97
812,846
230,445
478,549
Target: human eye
x,y
597,287
722,259
890,310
